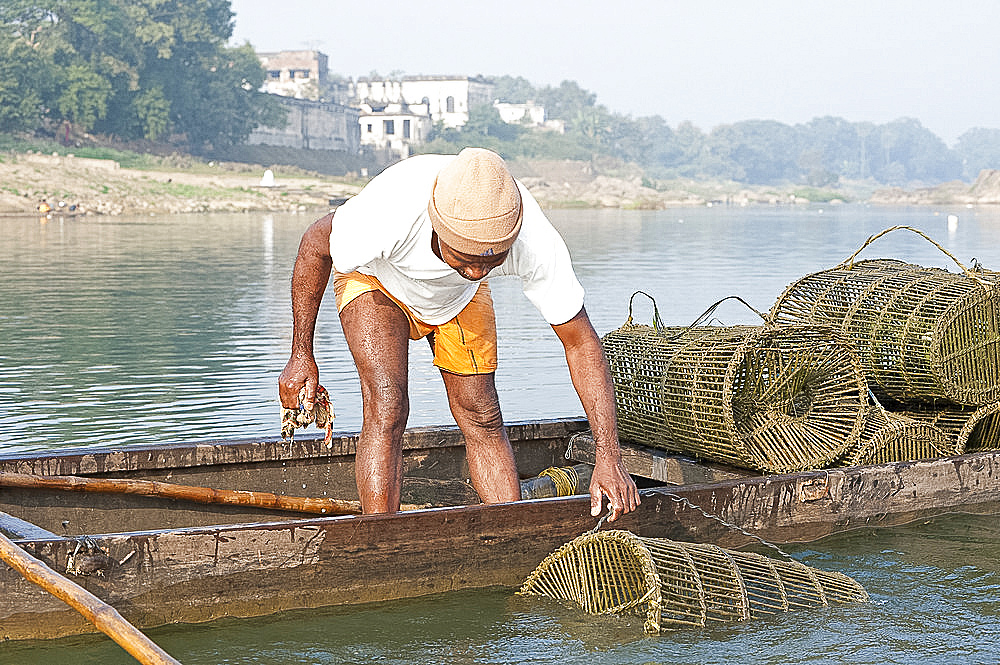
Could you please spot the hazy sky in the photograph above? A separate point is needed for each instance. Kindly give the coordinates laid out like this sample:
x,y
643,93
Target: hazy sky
x,y
707,61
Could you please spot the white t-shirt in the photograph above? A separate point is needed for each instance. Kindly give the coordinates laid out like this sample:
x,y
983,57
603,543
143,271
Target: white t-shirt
x,y
384,231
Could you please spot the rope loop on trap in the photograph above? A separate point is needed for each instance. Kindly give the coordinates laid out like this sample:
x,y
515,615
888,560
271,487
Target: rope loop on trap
x,y
659,327
848,263
657,321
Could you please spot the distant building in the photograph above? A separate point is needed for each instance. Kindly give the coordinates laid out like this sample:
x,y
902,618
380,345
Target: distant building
x,y
529,113
316,118
394,127
390,114
298,74
448,98
313,126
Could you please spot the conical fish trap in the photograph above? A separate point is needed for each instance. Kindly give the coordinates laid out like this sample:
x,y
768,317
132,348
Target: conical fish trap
x,y
972,430
893,437
675,585
922,334
777,399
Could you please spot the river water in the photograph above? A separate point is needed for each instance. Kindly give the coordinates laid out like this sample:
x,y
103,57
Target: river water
x,y
127,330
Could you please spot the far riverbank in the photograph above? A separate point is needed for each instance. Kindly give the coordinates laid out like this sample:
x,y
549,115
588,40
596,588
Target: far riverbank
x,y
104,187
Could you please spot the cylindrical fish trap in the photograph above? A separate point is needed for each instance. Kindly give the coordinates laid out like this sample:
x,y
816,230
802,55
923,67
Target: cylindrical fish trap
x,y
772,398
972,430
676,585
922,334
893,437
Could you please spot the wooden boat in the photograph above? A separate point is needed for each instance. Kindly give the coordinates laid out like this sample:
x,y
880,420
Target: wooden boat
x,y
161,560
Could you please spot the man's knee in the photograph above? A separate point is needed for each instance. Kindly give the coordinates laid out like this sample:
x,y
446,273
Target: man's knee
x,y
481,412
386,404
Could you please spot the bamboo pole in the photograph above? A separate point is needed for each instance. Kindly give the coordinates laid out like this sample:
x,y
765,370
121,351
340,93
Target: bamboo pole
x,y
296,504
104,617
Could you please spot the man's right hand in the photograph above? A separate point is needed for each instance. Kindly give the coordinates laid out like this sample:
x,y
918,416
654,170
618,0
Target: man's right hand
x,y
300,372
309,279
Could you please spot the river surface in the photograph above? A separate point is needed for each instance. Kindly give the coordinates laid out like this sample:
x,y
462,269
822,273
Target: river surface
x,y
125,330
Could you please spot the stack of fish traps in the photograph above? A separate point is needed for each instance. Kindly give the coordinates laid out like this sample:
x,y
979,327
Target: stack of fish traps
x,y
772,398
892,437
971,429
672,584
929,345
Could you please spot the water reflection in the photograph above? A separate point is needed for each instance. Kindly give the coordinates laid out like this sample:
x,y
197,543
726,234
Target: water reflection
x,y
146,329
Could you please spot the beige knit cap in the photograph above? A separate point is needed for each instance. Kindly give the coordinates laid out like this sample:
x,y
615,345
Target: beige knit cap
x,y
475,205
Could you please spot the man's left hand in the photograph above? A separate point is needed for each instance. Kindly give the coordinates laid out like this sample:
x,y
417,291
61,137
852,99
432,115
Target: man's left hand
x,y
611,480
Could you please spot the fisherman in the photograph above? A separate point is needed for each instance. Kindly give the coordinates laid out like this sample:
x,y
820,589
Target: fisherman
x,y
411,254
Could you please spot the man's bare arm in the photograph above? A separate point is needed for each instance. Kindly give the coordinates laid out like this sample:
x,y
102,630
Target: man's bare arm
x,y
588,369
309,279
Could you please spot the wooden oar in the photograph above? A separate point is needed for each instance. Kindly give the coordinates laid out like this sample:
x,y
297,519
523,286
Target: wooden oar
x,y
532,488
296,504
104,617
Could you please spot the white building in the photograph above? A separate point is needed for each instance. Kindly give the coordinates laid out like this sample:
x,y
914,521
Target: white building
x,y
447,98
529,113
394,127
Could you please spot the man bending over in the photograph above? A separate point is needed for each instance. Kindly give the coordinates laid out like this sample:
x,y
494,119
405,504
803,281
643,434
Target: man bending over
x,y
410,256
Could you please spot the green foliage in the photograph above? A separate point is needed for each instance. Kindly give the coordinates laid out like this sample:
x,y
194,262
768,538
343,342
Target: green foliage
x,y
817,195
20,99
132,68
82,96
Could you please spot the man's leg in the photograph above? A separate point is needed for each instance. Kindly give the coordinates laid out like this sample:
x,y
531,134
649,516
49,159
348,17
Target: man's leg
x,y
476,407
377,333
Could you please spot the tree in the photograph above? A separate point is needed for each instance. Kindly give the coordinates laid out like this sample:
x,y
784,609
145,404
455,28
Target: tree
x,y
513,90
132,68
485,121
566,101
759,151
21,68
978,149
905,151
829,148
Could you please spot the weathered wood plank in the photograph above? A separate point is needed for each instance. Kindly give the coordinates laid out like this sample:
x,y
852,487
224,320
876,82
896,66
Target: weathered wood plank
x,y
230,454
657,465
18,529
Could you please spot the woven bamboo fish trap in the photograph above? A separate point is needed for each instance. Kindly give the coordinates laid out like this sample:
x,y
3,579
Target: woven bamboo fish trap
x,y
923,335
772,398
972,430
677,585
893,437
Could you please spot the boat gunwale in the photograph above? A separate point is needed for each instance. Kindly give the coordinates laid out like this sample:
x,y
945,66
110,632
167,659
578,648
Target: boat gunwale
x,y
86,460
802,481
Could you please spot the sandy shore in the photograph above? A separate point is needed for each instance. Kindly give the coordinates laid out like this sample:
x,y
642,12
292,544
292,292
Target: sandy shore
x,y
103,187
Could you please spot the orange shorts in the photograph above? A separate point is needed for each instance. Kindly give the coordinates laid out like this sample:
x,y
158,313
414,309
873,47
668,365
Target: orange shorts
x,y
465,345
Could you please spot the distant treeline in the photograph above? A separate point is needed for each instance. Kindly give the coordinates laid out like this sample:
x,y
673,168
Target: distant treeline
x,y
161,70
819,153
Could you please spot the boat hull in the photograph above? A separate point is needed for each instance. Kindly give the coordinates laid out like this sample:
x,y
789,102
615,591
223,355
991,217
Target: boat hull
x,y
201,572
